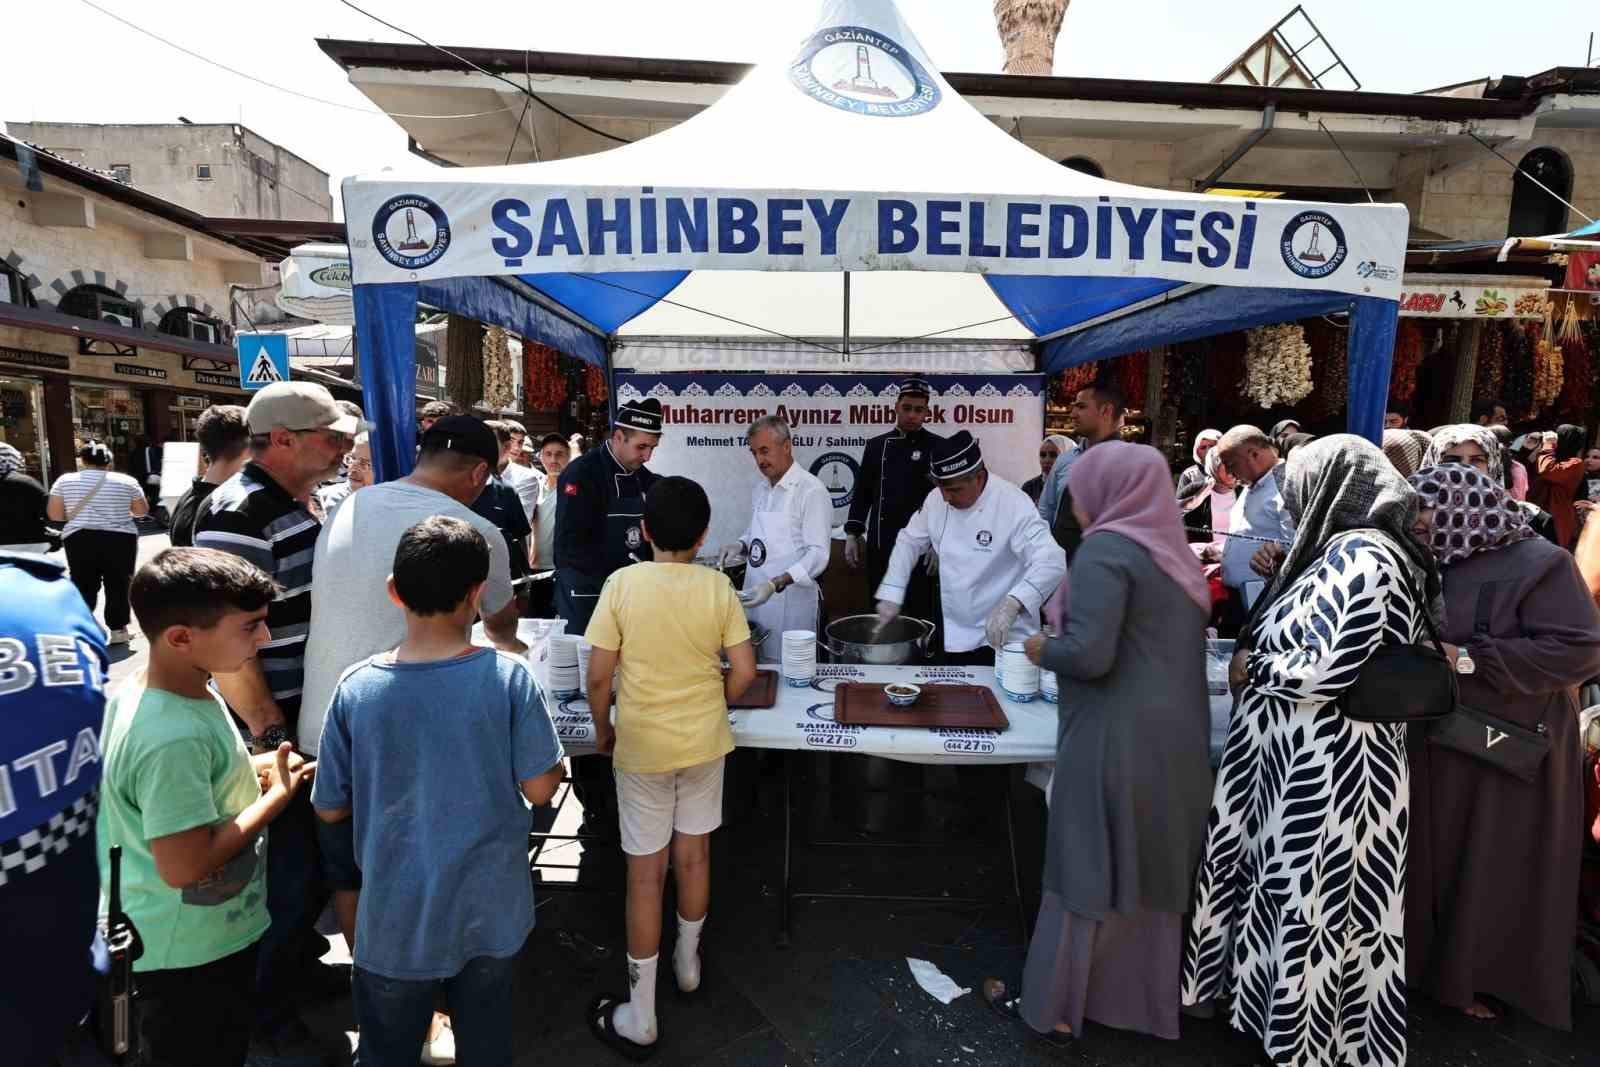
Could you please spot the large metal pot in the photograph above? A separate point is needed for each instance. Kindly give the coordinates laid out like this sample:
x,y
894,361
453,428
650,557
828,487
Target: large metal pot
x,y
857,639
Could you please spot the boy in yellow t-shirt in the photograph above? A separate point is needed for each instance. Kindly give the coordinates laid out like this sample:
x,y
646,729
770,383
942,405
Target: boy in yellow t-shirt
x,y
667,624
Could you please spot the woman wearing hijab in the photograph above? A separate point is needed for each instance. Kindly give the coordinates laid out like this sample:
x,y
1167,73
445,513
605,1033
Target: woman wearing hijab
x,y
1516,477
1051,449
22,502
1205,520
1298,910
1478,447
1492,875
1292,441
1128,798
1193,478
1559,463
1405,449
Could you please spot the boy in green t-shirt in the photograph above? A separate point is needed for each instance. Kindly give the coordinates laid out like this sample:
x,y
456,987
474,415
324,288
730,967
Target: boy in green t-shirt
x,y
189,806
667,623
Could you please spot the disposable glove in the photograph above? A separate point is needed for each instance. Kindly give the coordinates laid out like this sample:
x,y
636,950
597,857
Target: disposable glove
x,y
855,550
1000,621
762,593
887,613
730,555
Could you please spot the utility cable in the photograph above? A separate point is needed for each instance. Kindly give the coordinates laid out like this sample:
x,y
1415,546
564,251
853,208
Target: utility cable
x,y
1492,150
535,97
271,85
1359,179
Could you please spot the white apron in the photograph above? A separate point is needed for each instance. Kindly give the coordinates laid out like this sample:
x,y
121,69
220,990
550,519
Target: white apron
x,y
772,552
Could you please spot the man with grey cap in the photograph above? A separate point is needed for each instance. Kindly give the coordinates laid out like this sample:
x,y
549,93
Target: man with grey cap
x,y
298,435
998,561
599,510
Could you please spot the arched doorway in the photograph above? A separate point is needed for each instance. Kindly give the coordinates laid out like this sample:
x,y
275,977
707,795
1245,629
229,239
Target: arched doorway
x,y
1534,211
101,304
1084,165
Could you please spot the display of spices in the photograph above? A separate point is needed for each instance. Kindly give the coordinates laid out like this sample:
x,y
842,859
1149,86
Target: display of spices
x,y
1547,373
1408,352
1516,390
1577,379
1489,376
543,385
1330,367
1132,374
1277,365
498,391
1076,378
594,383
1187,369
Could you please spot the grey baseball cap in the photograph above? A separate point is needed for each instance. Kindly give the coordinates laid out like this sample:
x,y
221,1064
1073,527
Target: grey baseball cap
x,y
300,406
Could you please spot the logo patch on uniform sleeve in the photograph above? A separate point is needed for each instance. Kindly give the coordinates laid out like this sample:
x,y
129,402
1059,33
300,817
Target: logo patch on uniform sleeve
x,y
571,489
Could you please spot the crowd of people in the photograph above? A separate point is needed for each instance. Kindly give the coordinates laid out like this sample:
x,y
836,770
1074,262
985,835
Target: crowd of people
x,y
266,764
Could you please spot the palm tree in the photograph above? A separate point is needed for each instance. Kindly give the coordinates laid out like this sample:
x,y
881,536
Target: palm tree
x,y
1028,30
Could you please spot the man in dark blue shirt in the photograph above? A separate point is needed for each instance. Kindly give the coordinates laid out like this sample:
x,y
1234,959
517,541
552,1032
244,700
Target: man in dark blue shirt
x,y
52,678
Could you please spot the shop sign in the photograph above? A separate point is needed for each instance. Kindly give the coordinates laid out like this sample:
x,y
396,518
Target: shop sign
x,y
48,360
133,370
832,417
226,381
1472,302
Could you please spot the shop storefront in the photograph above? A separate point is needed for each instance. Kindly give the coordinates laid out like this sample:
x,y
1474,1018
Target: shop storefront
x,y
22,422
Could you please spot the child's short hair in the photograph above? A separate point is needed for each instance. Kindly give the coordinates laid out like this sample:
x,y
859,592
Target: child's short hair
x,y
196,587
437,563
676,512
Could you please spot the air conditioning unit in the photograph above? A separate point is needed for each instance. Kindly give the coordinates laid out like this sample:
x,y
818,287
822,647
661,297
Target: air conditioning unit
x,y
119,320
209,332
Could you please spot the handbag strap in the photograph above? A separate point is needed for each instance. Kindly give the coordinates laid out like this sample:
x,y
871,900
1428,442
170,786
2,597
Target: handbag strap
x,y
1421,599
80,505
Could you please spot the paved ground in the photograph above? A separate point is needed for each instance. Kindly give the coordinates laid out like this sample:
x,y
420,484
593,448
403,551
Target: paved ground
x,y
841,992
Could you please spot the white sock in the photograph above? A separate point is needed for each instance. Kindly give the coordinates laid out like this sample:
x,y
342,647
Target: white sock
x,y
686,956
636,1020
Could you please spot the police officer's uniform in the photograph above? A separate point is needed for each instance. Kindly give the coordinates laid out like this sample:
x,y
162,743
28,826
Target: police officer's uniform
x,y
892,485
599,512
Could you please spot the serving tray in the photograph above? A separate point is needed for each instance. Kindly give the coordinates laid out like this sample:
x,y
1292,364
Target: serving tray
x,y
762,693
967,707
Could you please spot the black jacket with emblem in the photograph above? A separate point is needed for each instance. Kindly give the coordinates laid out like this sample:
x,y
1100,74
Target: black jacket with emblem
x,y
598,513
891,487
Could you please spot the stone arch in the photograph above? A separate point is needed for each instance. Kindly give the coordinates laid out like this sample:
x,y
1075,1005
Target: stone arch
x,y
19,263
64,284
172,302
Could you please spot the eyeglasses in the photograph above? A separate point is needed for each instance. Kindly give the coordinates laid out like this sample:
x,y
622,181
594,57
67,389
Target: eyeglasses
x,y
358,464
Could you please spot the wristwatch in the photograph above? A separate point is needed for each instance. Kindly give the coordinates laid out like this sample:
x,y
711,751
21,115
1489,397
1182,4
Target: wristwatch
x,y
269,739
1464,664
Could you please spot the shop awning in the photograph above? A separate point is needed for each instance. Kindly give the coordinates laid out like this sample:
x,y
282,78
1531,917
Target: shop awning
x,y
851,153
111,333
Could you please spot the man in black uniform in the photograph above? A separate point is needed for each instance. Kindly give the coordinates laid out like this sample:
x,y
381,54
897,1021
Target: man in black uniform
x,y
599,509
892,485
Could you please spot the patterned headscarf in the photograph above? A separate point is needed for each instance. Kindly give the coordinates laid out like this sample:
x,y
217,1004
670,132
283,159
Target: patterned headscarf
x,y
1338,484
1405,449
10,459
1471,512
1447,437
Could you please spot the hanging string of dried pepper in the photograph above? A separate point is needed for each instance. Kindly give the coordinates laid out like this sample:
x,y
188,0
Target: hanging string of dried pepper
x,y
1407,358
1488,378
543,386
1577,383
594,383
1516,391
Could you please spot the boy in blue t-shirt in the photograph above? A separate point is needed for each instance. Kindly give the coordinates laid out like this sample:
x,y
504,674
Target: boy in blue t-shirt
x,y
431,751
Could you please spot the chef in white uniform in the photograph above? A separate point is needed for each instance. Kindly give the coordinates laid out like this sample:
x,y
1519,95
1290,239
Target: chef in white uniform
x,y
998,562
787,541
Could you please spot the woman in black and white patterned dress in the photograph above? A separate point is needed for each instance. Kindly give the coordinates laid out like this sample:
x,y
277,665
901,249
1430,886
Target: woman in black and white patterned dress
x,y
1298,914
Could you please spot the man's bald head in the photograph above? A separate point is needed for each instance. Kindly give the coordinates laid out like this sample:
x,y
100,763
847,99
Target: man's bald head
x,y
1248,452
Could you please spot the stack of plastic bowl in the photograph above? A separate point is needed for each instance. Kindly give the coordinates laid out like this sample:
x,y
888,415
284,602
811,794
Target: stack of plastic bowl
x,y
1049,687
799,657
585,650
1018,678
565,681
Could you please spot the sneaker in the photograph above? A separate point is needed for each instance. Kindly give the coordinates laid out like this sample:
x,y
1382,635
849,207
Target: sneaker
x,y
119,636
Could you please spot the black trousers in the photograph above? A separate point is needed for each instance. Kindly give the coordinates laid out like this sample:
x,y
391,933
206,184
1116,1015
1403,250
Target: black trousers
x,y
103,557
198,1016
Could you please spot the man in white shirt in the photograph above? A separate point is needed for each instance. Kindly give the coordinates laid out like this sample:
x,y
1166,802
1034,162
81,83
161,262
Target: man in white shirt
x,y
1258,511
523,480
998,561
787,540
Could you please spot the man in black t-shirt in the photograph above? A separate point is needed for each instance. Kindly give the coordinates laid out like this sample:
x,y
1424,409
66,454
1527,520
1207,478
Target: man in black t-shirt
x,y
225,445
500,504
22,501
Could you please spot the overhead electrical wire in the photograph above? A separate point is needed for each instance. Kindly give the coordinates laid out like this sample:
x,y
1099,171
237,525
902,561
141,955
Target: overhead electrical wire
x,y
1492,150
535,97
272,85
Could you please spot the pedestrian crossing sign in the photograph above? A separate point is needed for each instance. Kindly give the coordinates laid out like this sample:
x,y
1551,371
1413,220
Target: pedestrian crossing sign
x,y
263,359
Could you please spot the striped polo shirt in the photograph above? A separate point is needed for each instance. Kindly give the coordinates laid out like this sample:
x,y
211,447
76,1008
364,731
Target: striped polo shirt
x,y
253,517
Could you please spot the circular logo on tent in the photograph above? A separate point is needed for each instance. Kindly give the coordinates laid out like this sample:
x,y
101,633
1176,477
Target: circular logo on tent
x,y
1313,244
863,72
838,472
411,231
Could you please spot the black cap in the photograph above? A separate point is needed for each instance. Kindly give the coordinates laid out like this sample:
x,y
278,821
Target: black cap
x,y
956,456
463,434
916,387
639,415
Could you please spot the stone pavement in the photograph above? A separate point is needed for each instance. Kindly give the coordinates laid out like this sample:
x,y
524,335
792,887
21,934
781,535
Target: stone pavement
x,y
841,992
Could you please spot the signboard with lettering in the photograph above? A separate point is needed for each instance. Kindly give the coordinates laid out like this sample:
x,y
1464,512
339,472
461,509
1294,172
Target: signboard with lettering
x,y
1472,302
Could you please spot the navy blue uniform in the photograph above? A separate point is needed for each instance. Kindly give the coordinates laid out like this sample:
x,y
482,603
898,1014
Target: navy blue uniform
x,y
599,510
52,700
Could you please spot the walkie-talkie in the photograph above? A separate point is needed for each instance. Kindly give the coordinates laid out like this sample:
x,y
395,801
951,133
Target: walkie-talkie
x,y
119,1035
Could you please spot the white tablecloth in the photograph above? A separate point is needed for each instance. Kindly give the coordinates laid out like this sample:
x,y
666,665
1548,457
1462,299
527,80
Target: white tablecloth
x,y
803,717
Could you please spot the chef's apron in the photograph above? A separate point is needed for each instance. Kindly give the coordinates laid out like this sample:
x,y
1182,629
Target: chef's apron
x,y
773,551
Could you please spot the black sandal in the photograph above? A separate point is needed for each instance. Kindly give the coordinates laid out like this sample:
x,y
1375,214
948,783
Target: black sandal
x,y
994,994
602,1024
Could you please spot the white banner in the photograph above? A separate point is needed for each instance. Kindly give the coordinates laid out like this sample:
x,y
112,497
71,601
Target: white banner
x,y
832,417
423,230
1450,301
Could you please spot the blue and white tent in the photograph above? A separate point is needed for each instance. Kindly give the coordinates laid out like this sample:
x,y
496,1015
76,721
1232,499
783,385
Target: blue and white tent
x,y
850,153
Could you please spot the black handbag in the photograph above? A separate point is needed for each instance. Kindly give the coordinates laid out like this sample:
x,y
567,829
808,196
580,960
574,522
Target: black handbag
x,y
1503,744
1401,684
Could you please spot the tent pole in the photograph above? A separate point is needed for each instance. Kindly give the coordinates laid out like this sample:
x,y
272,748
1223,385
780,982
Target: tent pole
x,y
847,316
611,379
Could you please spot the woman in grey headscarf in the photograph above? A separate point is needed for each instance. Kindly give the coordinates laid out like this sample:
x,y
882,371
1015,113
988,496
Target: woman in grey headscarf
x,y
1299,908
22,502
1479,447
1406,449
